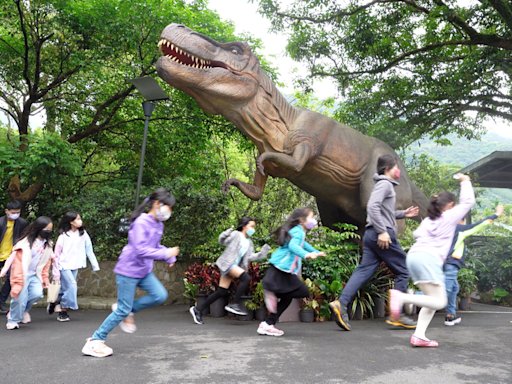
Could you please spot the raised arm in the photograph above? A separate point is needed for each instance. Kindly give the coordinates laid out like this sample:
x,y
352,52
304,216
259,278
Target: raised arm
x,y
466,201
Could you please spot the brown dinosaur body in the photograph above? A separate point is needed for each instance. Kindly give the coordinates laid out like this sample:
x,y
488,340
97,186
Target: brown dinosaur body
x,y
329,160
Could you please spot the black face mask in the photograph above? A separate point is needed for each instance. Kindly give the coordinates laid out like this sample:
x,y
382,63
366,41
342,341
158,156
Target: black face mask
x,y
45,234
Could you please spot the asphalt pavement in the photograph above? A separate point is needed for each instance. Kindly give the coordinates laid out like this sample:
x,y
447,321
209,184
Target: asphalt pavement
x,y
169,348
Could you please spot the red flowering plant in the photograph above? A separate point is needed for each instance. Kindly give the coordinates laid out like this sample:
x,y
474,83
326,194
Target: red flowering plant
x,y
205,276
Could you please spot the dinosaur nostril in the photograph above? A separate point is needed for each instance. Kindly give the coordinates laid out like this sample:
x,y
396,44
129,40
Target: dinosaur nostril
x,y
181,26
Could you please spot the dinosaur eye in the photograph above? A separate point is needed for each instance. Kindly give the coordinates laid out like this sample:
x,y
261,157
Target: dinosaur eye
x,y
234,52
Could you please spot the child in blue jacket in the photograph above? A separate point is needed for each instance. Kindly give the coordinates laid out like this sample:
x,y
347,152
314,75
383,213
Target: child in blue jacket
x,y
281,280
455,261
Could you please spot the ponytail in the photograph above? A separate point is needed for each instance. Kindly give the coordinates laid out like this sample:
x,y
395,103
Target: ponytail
x,y
161,195
438,203
282,234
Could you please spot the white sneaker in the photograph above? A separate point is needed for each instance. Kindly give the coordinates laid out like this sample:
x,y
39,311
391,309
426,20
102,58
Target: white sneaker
x,y
128,324
96,348
12,325
269,330
26,318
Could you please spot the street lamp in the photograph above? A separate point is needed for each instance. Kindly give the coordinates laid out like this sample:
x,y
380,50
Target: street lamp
x,y
149,88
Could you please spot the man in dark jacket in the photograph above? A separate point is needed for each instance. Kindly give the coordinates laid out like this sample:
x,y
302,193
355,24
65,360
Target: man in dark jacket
x,y
11,227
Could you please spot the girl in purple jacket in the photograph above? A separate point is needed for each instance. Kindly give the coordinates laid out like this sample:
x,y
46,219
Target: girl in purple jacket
x,y
134,269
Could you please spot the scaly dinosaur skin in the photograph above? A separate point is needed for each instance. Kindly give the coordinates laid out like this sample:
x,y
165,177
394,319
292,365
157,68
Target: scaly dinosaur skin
x,y
329,160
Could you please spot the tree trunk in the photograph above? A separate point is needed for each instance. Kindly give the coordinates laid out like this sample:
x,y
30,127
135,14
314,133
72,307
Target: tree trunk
x,y
14,190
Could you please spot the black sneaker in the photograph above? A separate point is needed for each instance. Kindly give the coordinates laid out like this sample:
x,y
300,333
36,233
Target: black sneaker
x,y
340,314
403,322
50,308
196,315
3,308
236,309
63,316
451,320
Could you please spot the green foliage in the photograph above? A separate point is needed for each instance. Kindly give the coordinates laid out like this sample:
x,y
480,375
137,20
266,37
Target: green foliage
x,y
258,299
311,302
467,282
406,69
495,263
191,290
499,294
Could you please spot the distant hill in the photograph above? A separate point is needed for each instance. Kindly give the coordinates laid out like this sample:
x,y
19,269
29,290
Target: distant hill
x,y
464,152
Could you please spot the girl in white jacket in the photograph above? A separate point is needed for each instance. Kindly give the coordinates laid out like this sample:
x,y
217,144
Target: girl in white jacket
x,y
73,248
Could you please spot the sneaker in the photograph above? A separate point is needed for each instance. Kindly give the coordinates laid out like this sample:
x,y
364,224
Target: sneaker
x,y
12,325
269,330
236,309
270,301
395,304
96,348
58,308
196,315
63,316
3,308
451,320
128,324
404,322
417,342
26,318
340,314
50,308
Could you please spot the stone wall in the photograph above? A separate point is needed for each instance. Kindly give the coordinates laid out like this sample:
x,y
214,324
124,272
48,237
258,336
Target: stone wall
x,y
103,282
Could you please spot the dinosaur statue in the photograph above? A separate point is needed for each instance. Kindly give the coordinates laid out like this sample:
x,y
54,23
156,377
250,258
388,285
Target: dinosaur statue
x,y
329,160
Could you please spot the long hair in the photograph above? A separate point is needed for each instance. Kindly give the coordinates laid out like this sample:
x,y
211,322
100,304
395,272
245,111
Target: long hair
x,y
243,222
282,234
438,203
65,223
32,231
161,194
385,163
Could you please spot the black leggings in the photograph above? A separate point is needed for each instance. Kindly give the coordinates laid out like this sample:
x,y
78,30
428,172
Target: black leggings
x,y
286,299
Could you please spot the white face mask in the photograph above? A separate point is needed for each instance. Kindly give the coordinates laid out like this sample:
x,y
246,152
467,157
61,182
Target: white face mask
x,y
162,215
14,216
78,223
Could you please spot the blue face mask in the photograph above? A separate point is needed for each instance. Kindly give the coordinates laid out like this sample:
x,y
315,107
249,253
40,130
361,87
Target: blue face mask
x,y
250,232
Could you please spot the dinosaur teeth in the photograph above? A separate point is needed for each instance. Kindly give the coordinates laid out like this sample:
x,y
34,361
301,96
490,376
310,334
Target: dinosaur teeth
x,y
172,46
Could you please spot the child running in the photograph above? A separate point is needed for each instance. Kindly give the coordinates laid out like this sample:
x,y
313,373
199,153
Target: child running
x,y
233,264
134,269
426,257
455,261
71,251
30,264
281,280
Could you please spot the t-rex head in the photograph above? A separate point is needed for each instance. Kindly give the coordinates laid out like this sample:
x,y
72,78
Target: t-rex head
x,y
217,76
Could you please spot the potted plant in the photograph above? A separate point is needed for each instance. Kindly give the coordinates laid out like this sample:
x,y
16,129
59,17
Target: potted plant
x,y
467,284
257,303
331,291
206,278
310,303
190,291
254,300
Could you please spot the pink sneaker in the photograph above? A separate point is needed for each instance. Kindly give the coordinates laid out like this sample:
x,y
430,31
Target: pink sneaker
x,y
271,301
26,318
269,330
395,304
417,342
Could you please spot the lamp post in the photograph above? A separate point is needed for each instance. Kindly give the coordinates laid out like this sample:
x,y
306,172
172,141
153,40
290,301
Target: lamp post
x,y
149,88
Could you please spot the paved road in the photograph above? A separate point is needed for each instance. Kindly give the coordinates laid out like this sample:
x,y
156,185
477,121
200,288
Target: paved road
x,y
167,348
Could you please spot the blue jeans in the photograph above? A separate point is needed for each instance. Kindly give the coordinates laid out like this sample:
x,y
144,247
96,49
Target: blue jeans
x,y
126,303
31,292
373,255
68,289
452,287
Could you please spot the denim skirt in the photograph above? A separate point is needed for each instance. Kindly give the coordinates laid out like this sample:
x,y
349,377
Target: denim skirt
x,y
425,268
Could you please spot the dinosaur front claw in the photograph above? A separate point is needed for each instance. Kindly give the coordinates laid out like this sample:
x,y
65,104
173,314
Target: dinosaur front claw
x,y
260,166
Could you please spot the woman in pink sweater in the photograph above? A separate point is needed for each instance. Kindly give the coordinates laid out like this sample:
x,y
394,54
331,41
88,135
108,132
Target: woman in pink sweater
x,y
426,257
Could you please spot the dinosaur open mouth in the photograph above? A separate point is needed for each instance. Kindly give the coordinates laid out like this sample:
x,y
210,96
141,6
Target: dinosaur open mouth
x,y
182,57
